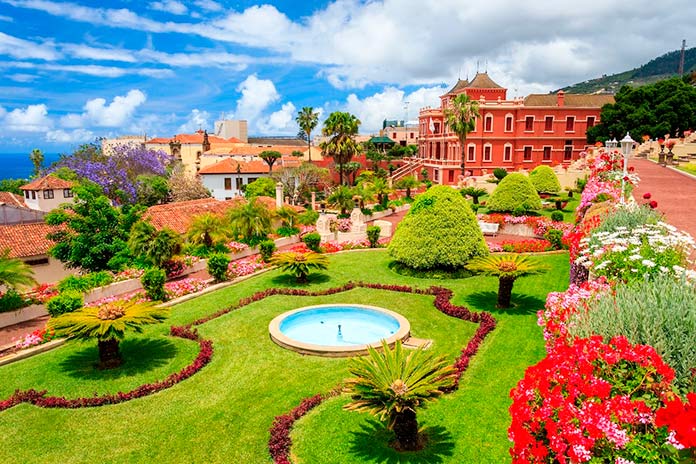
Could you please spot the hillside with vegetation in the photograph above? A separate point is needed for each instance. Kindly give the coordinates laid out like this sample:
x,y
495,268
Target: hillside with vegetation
x,y
660,68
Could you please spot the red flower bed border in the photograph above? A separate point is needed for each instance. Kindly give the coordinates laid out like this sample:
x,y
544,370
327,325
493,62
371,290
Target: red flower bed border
x,y
279,443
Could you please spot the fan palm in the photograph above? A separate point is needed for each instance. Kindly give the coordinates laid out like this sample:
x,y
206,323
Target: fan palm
x,y
251,221
341,129
107,323
300,264
507,267
380,186
14,272
474,193
207,229
308,119
341,198
392,384
365,193
155,247
287,215
460,117
407,183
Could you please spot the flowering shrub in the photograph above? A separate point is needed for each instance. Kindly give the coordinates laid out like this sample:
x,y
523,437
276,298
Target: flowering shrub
x,y
592,400
304,230
533,245
344,225
680,418
246,266
42,293
37,337
128,274
631,254
236,247
184,287
174,267
540,224
597,191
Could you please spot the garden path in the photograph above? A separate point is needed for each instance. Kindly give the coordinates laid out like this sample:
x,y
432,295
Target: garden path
x,y
674,191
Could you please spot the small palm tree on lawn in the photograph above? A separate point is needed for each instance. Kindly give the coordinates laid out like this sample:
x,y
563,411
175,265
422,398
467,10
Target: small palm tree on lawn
x,y
251,221
408,183
391,385
107,323
155,247
507,268
474,193
14,272
300,264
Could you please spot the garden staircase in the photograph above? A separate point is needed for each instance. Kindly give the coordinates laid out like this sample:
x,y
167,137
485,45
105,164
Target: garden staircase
x,y
409,167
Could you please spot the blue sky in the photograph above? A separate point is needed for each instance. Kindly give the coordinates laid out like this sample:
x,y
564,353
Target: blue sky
x,y
73,71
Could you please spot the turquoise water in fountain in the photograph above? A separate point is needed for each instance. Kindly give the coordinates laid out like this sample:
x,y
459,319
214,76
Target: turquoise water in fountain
x,y
339,325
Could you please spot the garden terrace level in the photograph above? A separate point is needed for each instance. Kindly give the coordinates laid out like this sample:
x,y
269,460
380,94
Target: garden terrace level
x,y
521,133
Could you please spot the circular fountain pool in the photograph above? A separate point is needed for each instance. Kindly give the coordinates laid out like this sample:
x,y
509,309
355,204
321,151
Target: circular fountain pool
x,y
337,329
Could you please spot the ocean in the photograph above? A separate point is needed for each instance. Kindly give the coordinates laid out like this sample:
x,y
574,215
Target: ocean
x,y
18,165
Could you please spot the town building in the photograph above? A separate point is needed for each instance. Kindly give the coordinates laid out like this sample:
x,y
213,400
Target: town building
x,y
517,134
109,144
47,193
13,210
400,131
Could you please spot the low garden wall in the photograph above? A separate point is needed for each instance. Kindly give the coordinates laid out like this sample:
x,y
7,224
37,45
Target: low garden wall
x,y
22,315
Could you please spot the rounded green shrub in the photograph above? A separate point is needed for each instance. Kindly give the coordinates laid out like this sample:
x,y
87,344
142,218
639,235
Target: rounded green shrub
x,y
312,240
153,282
545,180
217,266
373,235
439,231
557,216
266,249
515,191
65,302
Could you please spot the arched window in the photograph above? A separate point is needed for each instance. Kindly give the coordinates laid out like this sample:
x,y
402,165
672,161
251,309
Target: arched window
x,y
471,152
508,122
488,123
487,152
507,153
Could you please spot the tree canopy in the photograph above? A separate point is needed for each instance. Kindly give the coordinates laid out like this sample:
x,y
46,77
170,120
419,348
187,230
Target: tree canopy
x,y
665,107
341,129
307,119
460,117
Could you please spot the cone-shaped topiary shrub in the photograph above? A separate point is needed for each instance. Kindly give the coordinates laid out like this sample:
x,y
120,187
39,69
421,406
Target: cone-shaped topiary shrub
x,y
545,180
515,191
439,231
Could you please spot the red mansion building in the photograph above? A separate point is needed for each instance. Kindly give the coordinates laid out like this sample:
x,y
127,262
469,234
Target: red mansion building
x,y
511,134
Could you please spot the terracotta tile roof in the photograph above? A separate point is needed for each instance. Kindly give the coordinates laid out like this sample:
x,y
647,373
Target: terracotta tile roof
x,y
25,240
229,166
270,203
253,150
482,81
12,199
48,182
196,138
177,216
460,85
280,141
571,99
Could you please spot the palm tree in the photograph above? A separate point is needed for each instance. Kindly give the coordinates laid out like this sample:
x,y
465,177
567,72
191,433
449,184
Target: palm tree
x,y
270,157
341,198
340,128
287,215
300,264
107,323
365,192
474,193
407,183
14,272
507,267
155,247
251,221
461,116
308,119
391,385
207,229
380,187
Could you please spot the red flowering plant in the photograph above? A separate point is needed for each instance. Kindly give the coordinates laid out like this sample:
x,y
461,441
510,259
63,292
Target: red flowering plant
x,y
532,245
680,418
591,401
42,293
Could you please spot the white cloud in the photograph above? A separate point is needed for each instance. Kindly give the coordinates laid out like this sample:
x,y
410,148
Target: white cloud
x,y
99,54
24,49
32,118
281,121
208,5
7,19
257,95
390,104
197,119
20,77
91,69
169,6
98,113
74,136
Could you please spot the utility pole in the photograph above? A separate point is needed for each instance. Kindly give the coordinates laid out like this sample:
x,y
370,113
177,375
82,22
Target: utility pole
x,y
681,58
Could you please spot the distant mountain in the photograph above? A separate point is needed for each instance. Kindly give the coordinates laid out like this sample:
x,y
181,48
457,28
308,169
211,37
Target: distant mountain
x,y
662,67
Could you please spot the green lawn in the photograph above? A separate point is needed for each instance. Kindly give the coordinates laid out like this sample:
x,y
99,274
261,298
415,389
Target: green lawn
x,y
223,413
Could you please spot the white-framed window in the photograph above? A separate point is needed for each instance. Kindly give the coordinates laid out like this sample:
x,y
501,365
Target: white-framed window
x,y
546,155
590,121
487,152
509,122
507,153
568,150
48,194
488,123
548,124
471,152
436,175
570,123
527,153
529,124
